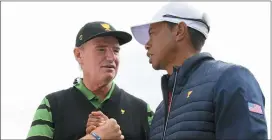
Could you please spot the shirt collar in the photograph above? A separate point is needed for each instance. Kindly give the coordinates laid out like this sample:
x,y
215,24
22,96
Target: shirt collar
x,y
89,94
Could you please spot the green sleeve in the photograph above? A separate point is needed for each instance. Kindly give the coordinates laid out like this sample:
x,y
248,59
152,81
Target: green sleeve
x,y
42,124
150,114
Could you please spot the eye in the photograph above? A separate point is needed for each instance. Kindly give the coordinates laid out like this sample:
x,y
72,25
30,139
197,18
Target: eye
x,y
116,50
101,49
151,32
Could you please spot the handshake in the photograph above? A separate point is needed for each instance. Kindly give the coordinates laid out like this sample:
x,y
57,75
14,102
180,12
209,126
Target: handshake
x,y
101,125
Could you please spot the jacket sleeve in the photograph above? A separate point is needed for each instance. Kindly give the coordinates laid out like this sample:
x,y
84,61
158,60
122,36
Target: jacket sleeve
x,y
42,127
239,106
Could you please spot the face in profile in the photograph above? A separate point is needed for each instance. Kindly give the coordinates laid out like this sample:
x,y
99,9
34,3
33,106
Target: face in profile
x,y
160,45
99,58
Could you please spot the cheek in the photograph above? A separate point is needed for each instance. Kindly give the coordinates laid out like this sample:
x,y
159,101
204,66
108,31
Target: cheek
x,y
91,62
160,45
117,61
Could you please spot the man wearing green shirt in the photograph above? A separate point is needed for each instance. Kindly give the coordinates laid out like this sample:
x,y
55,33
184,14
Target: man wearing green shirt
x,y
68,114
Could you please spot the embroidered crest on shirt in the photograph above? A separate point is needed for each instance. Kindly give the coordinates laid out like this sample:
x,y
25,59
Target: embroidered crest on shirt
x,y
189,93
123,111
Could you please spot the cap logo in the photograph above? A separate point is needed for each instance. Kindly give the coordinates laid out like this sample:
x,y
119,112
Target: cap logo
x,y
106,26
80,37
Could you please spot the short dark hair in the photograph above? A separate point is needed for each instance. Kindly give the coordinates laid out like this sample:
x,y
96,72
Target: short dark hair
x,y
197,38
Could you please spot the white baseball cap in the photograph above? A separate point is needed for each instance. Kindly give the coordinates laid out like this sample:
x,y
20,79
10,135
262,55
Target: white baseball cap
x,y
174,12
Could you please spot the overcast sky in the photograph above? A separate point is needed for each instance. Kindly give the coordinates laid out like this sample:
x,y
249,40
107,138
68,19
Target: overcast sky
x,y
38,40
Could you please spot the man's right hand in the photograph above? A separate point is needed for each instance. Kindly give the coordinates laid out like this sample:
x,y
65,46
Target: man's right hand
x,y
110,130
96,119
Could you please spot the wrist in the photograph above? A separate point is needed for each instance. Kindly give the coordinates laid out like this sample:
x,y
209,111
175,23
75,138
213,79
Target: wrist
x,y
95,135
87,137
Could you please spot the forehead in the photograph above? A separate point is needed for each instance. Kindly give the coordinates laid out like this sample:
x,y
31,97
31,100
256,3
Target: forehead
x,y
107,41
157,26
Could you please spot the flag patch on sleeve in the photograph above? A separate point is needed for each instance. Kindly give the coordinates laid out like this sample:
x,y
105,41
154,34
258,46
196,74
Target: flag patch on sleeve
x,y
255,108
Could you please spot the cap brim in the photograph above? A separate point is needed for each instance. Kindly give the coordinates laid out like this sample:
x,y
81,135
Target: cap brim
x,y
141,32
122,37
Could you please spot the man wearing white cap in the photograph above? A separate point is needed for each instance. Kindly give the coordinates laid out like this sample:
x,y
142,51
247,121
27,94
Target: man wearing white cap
x,y
202,98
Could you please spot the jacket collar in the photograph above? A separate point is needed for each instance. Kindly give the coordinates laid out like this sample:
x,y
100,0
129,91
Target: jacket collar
x,y
184,71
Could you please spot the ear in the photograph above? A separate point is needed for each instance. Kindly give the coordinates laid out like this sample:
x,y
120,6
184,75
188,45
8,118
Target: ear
x,y
181,30
78,55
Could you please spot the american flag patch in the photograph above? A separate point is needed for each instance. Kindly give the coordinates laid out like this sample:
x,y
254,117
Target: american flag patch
x,y
255,108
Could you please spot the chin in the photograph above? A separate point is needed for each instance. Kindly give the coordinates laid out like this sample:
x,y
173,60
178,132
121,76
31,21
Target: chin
x,y
109,76
156,66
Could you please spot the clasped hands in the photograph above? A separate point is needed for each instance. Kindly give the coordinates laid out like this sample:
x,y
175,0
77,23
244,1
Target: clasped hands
x,y
102,126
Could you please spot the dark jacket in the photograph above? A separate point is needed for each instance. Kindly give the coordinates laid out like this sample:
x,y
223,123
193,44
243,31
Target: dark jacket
x,y
210,100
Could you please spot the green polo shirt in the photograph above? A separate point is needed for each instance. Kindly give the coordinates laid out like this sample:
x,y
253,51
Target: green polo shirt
x,y
92,97
42,122
97,103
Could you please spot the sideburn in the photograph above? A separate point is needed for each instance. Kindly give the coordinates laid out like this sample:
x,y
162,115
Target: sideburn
x,y
173,49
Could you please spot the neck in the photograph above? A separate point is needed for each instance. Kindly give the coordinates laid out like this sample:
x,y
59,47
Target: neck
x,y
178,59
97,88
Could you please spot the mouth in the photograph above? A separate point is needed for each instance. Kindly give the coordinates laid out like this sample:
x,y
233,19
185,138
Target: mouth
x,y
109,66
149,55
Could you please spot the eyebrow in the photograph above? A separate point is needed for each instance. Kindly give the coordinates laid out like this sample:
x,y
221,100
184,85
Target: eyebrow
x,y
105,46
116,47
100,46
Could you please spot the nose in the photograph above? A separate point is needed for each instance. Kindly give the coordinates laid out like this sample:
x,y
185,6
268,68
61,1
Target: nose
x,y
110,55
147,45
